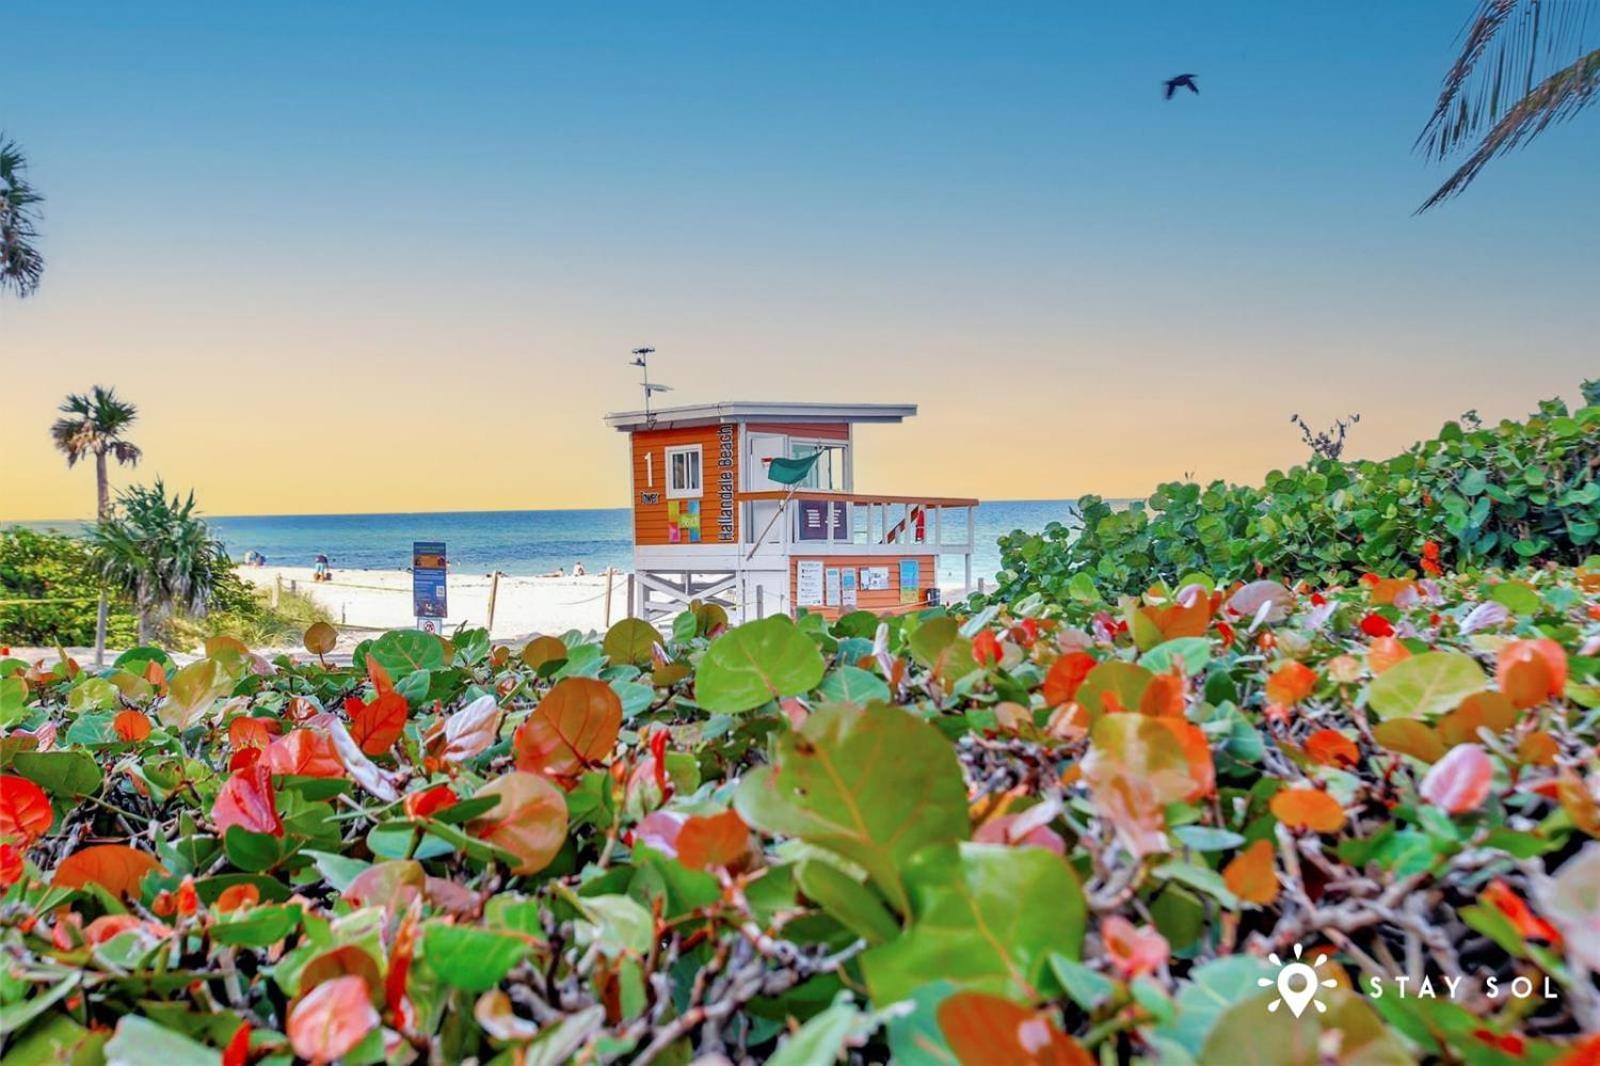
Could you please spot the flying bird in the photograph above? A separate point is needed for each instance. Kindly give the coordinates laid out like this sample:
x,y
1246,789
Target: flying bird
x,y
1182,81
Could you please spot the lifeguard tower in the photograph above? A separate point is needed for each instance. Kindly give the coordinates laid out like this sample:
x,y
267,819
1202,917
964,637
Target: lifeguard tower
x,y
715,520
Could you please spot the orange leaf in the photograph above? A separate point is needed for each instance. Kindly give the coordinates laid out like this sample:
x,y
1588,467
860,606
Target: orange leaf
x,y
114,867
330,1020
246,732
1164,696
381,681
237,897
1065,676
377,725
983,1030
530,819
1252,875
1133,950
1308,808
342,961
713,840
248,801
1538,749
1384,652
1409,737
25,812
131,726
1291,683
1482,710
1329,747
1181,620
303,753
575,725
1531,671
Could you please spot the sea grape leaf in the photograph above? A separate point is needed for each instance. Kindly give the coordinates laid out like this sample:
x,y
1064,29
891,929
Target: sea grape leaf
x,y
403,651
68,774
851,684
875,786
632,640
848,901
139,1041
1211,989
757,662
575,725
1110,683
985,916
470,959
1247,1034
1426,685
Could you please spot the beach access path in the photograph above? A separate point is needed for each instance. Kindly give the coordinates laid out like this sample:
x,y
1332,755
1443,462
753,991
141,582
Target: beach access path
x,y
524,606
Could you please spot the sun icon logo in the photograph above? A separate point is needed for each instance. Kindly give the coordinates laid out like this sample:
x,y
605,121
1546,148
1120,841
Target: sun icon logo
x,y
1297,983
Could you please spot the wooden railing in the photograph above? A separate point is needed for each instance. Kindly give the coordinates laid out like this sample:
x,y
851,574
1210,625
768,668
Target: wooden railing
x,y
864,523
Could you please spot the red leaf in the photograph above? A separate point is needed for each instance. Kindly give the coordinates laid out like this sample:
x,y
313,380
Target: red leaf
x,y
115,867
1291,683
430,801
381,681
377,725
1531,671
248,801
986,648
1460,781
25,812
1133,950
1329,747
332,1019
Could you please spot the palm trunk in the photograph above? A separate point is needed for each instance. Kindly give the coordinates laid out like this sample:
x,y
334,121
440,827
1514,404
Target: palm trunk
x,y
103,511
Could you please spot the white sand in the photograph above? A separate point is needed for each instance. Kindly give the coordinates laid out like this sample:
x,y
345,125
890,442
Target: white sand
x,y
381,599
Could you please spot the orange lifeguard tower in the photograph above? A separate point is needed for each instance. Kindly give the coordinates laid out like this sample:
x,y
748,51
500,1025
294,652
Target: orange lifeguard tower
x,y
709,524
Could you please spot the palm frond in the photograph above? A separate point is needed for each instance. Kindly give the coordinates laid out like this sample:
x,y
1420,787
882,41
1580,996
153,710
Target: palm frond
x,y
21,264
1557,98
94,424
1508,48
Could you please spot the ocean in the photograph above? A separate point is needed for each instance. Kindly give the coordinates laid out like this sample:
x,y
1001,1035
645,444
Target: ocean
x,y
525,542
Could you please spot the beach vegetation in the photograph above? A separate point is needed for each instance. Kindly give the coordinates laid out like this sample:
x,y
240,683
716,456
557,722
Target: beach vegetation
x,y
1473,497
21,262
159,553
1065,829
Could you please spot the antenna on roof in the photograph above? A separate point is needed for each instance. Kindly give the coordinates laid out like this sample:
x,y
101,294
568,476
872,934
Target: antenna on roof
x,y
641,359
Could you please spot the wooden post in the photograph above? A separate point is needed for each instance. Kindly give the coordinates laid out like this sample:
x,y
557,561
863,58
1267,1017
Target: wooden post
x,y
760,606
494,592
608,597
277,589
630,596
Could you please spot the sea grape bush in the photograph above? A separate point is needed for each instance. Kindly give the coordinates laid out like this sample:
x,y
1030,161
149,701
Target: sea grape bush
x,y
1064,832
1473,497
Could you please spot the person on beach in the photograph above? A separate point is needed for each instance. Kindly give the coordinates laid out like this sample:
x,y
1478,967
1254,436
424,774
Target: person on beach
x,y
577,569
557,572
320,572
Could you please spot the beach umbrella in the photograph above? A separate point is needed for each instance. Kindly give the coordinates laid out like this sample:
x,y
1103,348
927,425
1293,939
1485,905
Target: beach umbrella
x,y
789,472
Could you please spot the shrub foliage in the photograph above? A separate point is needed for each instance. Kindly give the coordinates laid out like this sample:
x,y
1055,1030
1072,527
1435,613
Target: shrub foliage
x,y
1482,496
1069,832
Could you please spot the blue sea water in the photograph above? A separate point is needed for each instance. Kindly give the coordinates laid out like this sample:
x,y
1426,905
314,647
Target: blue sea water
x,y
526,542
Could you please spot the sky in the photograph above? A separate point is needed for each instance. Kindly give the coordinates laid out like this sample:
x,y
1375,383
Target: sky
x,y
392,256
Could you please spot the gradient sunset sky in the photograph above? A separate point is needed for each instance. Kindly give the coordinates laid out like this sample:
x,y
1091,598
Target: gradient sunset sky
x,y
392,256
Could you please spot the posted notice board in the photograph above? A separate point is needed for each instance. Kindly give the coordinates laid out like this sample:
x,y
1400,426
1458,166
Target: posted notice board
x,y
428,566
808,583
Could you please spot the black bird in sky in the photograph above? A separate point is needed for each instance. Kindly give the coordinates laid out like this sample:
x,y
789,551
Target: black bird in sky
x,y
1182,81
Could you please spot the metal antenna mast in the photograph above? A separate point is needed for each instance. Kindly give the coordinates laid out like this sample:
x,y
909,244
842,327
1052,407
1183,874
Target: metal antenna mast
x,y
641,359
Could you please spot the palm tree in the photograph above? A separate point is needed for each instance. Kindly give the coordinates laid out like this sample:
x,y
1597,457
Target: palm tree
x,y
21,265
94,425
1524,66
159,552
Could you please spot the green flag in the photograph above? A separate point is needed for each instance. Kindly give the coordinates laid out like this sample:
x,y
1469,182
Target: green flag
x,y
791,471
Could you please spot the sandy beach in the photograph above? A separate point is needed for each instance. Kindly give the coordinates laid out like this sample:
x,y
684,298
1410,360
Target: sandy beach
x,y
381,599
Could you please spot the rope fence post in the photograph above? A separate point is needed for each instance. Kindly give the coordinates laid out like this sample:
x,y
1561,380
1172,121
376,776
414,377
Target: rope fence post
x,y
630,596
608,597
494,592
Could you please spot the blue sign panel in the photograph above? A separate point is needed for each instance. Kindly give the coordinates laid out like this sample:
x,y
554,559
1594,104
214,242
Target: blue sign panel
x,y
428,579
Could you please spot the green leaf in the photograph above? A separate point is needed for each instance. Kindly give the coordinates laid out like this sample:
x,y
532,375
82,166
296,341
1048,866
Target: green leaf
x,y
820,1041
68,774
1426,685
757,662
402,651
851,903
1247,1034
631,640
851,684
876,786
1211,989
1191,653
1518,596
139,1041
1087,988
473,960
619,925
251,852
257,927
985,916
